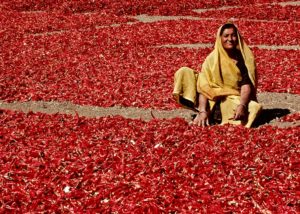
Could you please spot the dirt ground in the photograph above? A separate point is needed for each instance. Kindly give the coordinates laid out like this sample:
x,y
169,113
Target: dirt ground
x,y
275,105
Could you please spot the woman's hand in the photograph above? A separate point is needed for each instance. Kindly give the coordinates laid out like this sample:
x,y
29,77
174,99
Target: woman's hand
x,y
201,119
240,112
202,115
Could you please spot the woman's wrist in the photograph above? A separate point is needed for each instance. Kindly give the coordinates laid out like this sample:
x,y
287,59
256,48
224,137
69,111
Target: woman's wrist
x,y
241,104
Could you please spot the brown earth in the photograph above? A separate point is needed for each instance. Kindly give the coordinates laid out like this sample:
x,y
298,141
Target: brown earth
x,y
275,105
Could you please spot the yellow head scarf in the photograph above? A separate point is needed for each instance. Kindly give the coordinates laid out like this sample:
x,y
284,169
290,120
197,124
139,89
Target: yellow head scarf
x,y
220,75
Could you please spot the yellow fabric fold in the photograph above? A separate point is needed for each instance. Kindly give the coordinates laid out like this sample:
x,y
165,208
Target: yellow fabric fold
x,y
185,84
228,106
219,74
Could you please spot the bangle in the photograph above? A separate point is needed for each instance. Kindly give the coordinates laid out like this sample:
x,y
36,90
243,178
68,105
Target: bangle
x,y
202,112
242,105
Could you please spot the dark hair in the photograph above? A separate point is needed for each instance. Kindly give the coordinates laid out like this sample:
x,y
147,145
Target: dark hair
x,y
227,26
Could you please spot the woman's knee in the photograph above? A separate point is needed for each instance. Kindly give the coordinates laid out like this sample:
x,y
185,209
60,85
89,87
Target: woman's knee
x,y
185,70
185,73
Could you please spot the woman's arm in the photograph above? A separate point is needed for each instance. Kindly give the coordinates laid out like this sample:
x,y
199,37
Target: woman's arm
x,y
242,108
202,116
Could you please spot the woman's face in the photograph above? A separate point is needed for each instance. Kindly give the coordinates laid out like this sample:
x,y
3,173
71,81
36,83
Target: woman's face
x,y
229,39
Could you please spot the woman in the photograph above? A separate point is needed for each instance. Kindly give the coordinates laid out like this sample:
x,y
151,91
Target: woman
x,y
227,80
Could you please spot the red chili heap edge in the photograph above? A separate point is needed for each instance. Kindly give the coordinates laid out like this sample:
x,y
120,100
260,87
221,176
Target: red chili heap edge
x,y
261,12
291,117
72,164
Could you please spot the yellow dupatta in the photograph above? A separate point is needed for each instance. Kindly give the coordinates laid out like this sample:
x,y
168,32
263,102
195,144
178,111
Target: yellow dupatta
x,y
219,75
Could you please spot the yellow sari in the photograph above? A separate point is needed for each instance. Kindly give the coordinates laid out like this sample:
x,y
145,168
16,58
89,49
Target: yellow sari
x,y
219,80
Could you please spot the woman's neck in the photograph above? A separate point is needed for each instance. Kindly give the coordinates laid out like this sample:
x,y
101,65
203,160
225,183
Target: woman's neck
x,y
232,53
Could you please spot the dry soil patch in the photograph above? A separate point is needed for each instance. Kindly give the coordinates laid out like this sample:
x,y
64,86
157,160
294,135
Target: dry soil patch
x,y
275,105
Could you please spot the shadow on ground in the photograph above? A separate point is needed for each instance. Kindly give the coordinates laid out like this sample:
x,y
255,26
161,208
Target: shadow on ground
x,y
267,115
